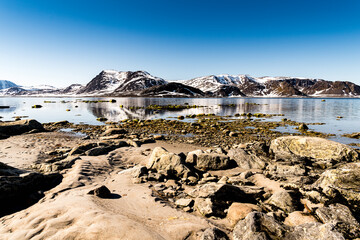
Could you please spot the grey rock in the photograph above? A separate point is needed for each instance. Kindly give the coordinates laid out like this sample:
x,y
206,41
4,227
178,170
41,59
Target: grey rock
x,y
184,202
298,148
173,164
284,200
259,226
317,231
101,150
342,183
212,161
246,160
213,234
82,148
341,216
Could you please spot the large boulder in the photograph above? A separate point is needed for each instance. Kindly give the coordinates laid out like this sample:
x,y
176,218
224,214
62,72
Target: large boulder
x,y
171,163
342,183
341,216
19,127
295,148
259,226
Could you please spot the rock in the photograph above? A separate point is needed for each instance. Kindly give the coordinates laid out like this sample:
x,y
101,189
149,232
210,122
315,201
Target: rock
x,y
82,148
212,161
133,143
283,170
245,160
20,127
205,207
238,211
316,231
56,166
297,218
19,190
303,127
36,106
285,200
102,119
318,149
343,184
173,164
111,137
341,216
223,180
139,172
213,234
233,134
259,226
158,137
60,123
220,191
99,150
112,131
212,199
191,158
184,202
101,192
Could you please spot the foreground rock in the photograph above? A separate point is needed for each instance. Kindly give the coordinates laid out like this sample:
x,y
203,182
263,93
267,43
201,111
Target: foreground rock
x,y
298,148
170,163
20,127
19,189
342,184
259,226
342,218
250,156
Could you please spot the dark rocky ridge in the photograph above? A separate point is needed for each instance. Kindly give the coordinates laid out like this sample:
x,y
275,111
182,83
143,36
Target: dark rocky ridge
x,y
172,89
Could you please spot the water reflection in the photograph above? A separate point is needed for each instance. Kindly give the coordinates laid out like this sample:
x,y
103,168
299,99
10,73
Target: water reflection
x,y
298,109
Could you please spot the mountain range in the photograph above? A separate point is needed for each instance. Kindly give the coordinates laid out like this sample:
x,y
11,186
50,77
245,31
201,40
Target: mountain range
x,y
143,84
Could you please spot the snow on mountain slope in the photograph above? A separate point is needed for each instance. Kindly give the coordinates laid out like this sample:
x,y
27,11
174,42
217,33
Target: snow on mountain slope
x,y
213,82
105,82
6,84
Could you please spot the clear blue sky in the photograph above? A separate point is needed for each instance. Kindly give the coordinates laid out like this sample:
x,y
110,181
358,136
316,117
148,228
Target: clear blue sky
x,y
70,41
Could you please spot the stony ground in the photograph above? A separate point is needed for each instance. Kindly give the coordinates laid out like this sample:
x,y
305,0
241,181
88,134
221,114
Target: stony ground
x,y
145,179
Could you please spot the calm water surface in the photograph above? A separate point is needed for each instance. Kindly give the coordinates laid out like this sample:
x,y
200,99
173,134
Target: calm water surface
x,y
306,110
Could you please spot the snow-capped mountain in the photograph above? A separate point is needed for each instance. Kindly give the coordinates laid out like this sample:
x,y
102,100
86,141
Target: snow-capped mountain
x,y
138,81
120,83
141,83
6,84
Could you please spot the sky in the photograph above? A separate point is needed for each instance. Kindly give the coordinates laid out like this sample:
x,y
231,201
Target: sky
x,y
60,42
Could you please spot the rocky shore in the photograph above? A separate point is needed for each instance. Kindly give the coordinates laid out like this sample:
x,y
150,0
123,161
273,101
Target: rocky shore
x,y
170,179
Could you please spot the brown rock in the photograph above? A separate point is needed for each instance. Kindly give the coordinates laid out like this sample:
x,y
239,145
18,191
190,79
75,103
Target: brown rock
x,y
297,218
239,211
